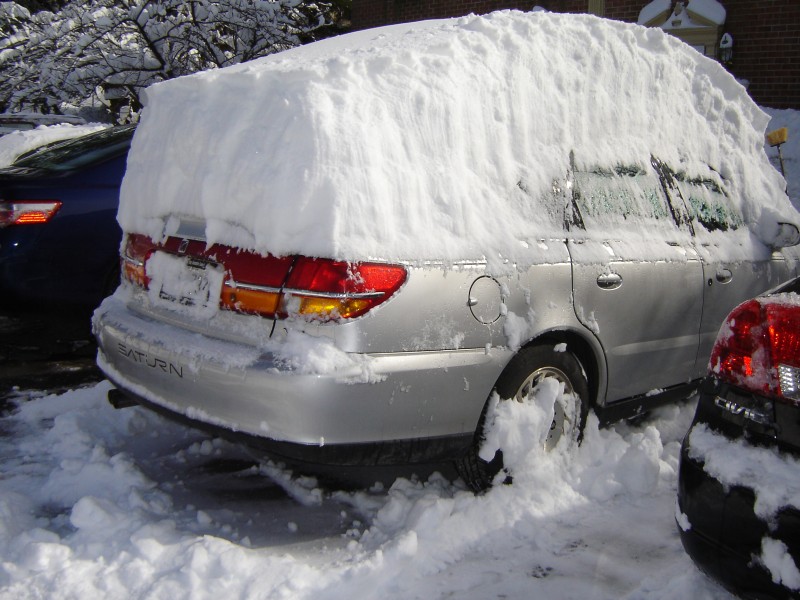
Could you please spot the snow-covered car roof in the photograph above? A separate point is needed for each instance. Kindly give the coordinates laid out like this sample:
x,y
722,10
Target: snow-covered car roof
x,y
435,140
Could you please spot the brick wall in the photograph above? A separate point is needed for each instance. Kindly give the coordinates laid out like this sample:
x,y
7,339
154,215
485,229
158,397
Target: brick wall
x,y
624,10
766,33
373,13
766,49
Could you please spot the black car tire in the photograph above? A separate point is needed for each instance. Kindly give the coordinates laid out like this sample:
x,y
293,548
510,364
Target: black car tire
x,y
521,375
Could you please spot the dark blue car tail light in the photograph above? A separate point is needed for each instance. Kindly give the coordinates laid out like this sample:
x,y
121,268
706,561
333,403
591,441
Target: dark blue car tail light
x,y
27,212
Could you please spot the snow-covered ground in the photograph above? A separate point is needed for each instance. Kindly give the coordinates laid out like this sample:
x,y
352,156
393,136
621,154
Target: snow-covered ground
x,y
100,503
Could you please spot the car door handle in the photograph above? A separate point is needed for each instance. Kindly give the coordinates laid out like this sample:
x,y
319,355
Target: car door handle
x,y
609,281
724,275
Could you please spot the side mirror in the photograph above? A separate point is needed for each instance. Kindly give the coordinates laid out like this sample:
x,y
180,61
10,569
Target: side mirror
x,y
788,235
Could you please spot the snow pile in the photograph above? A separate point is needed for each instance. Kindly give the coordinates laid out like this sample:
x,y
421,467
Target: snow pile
x,y
708,9
118,504
652,10
17,143
435,140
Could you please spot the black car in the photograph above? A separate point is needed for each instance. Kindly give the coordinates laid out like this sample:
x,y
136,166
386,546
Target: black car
x,y
739,483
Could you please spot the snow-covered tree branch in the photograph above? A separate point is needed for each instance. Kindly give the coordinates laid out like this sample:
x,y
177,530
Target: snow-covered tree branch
x,y
108,52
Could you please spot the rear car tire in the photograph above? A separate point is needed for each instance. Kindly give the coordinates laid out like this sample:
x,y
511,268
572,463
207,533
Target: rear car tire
x,y
520,377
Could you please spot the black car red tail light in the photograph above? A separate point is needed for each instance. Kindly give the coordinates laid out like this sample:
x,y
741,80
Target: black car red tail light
x,y
278,286
758,349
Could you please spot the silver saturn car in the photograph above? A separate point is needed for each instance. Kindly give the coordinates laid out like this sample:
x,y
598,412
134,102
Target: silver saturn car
x,y
378,235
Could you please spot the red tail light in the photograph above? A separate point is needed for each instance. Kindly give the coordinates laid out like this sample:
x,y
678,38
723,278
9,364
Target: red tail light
x,y
27,212
278,287
332,289
758,349
253,282
137,250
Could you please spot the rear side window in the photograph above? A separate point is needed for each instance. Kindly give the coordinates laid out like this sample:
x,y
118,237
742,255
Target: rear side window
x,y
79,152
708,204
622,199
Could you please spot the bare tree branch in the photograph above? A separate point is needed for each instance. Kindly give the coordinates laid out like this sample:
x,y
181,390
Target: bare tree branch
x,y
102,51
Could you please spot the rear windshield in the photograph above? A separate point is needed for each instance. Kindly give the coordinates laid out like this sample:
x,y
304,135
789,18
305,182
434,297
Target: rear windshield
x,y
79,152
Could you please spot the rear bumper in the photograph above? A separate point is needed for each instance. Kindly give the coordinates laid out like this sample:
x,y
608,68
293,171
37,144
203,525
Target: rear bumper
x,y
66,269
368,401
736,573
726,535
39,334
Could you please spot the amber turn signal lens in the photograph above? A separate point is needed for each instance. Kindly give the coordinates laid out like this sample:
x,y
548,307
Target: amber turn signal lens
x,y
343,308
244,300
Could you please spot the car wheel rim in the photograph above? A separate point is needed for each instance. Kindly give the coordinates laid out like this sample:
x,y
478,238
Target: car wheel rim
x,y
564,409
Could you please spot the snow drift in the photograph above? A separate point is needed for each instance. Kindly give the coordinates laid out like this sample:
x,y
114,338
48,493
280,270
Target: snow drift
x,y
434,139
99,503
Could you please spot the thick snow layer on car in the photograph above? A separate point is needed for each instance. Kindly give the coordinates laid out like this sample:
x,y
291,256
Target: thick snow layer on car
x,y
439,139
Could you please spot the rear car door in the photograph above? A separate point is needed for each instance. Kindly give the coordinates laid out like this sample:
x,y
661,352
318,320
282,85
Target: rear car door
x,y
637,281
736,264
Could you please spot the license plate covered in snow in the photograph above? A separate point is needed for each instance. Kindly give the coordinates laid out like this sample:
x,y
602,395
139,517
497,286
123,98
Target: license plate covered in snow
x,y
185,283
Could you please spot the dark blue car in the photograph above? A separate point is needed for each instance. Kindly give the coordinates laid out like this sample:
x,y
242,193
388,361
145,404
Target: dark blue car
x,y
59,239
